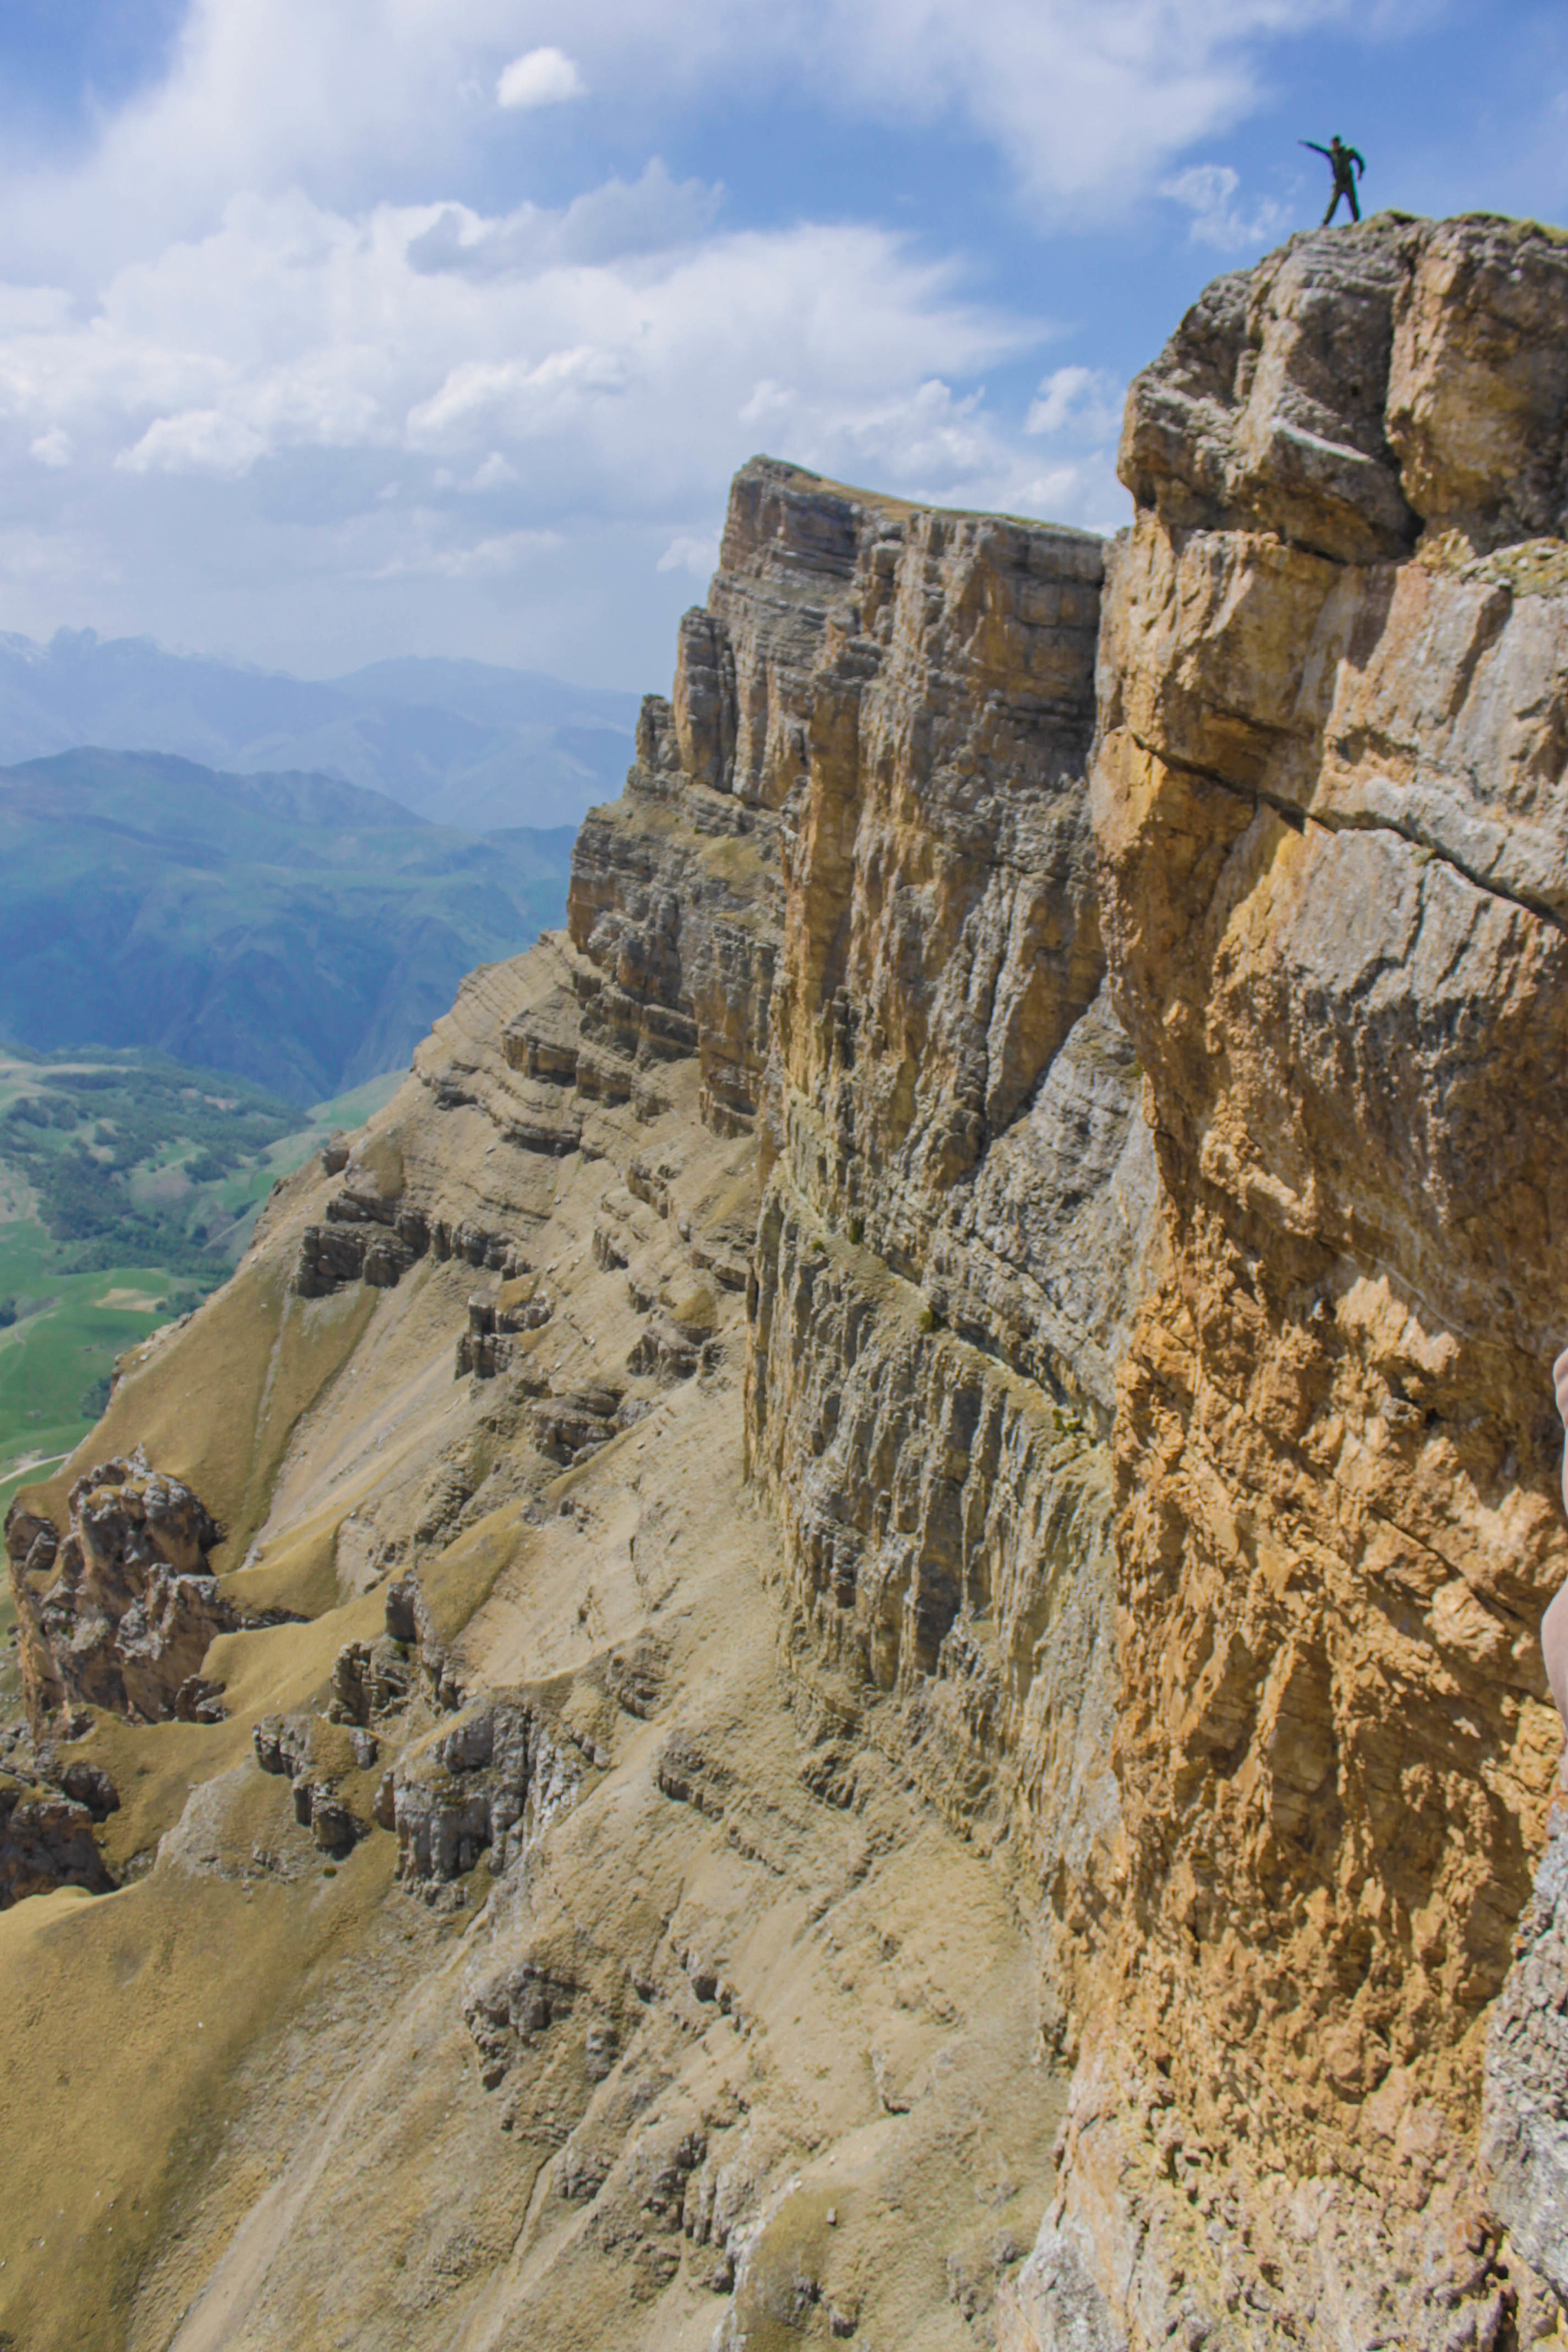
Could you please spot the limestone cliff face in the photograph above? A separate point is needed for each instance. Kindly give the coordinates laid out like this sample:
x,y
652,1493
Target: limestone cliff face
x,y
960,1185
584,1978
1328,799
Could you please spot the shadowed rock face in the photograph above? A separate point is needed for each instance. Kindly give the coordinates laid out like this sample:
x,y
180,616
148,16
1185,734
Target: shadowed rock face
x,y
674,904
46,1841
1525,2128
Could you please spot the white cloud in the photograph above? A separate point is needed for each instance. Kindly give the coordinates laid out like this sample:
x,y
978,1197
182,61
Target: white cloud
x,y
300,390
494,473
516,397
297,316
1083,400
1209,191
195,441
423,551
697,555
540,77
648,214
929,442
1089,108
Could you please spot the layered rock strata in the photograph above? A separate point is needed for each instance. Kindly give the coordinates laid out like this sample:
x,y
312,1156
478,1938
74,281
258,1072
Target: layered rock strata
x,y
959,1186
1328,797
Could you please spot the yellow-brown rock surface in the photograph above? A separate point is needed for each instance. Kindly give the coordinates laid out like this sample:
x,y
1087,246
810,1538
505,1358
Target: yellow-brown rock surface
x,y
960,1188
1328,800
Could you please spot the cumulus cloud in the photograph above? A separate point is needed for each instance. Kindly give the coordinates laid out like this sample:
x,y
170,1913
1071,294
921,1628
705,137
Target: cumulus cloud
x,y
697,554
1089,108
540,78
610,223
426,551
493,473
1083,401
195,441
1077,412
1209,192
398,422
284,322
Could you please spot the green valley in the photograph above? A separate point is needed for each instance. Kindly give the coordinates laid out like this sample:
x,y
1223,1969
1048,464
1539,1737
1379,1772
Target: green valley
x,y
297,930
128,1188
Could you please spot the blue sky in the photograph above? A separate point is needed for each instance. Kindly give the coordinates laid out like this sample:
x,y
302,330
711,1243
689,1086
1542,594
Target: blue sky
x,y
332,329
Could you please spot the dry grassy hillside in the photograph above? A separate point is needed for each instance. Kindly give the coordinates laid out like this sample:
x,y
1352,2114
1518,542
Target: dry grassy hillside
x,y
749,2017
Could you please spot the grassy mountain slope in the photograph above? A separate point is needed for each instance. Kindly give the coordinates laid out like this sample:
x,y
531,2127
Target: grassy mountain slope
x,y
296,929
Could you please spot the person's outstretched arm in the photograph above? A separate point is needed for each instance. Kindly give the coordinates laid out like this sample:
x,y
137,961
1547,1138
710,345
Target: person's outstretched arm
x,y
1314,146
1554,1624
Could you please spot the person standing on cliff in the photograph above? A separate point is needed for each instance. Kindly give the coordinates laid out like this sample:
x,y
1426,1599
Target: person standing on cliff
x,y
1347,165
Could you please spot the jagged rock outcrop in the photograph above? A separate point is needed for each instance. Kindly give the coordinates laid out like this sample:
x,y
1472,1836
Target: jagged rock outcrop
x,y
369,1235
485,1786
316,1758
485,1347
369,1679
121,1612
46,1842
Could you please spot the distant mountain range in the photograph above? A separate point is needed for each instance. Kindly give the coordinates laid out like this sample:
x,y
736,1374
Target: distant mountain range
x,y
297,930
461,742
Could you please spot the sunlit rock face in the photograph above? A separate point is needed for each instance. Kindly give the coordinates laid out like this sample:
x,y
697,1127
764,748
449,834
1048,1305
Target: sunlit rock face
x,y
1328,803
121,1611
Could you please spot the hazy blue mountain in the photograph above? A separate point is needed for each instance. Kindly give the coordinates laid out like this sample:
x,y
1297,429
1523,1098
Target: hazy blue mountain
x,y
462,742
297,930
